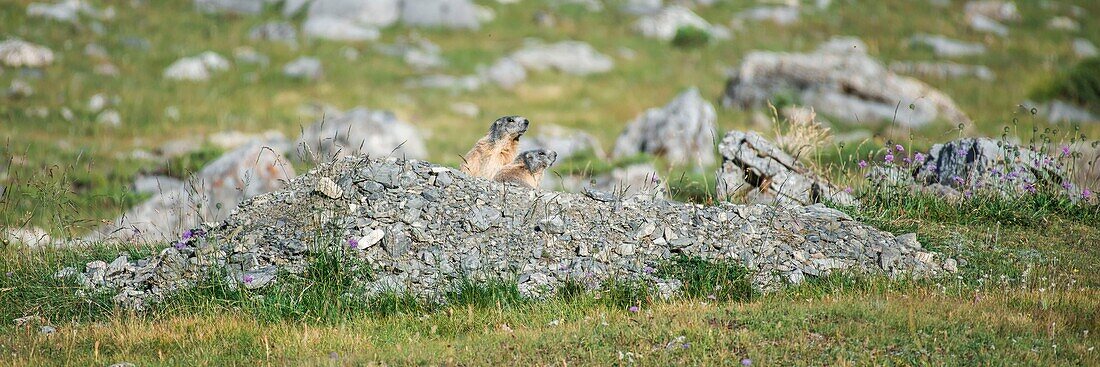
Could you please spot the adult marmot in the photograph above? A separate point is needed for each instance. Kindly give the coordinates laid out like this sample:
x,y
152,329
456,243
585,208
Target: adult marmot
x,y
528,168
496,149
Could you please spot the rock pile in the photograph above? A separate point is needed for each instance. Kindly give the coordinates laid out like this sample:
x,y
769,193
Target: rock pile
x,y
423,229
757,171
18,53
839,80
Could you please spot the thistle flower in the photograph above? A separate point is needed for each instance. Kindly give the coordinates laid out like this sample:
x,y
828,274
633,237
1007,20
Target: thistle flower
x,y
746,362
649,270
899,148
633,309
1087,194
862,164
918,158
1065,150
180,245
889,158
187,235
848,190
247,279
958,180
1067,185
353,243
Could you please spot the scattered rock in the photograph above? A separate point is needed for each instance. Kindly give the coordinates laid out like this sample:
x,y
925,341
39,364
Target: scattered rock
x,y
245,7
839,80
942,70
985,24
19,89
274,31
16,53
416,51
759,172
1064,24
454,14
506,73
308,68
1061,111
781,15
946,47
208,196
471,231
361,131
64,11
664,24
642,7
47,330
1084,48
683,131
338,29
197,68
986,164
450,82
993,9
109,118
570,57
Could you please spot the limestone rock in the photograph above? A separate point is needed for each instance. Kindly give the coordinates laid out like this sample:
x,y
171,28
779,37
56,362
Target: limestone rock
x,y
683,132
308,68
664,24
946,47
760,172
16,53
453,14
197,68
839,80
570,57
247,7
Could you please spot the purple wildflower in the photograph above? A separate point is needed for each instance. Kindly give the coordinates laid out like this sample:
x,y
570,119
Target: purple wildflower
x,y
1065,150
633,309
1087,194
919,158
862,164
187,234
1030,188
958,180
907,160
746,362
353,243
889,158
247,279
968,194
649,270
686,345
180,245
1067,185
848,190
899,148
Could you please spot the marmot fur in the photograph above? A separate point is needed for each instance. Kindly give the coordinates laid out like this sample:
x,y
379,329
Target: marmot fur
x,y
497,148
528,168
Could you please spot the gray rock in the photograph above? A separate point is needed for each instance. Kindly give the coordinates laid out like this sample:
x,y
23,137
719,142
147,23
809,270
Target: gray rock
x,y
993,9
570,57
197,68
565,142
942,70
370,14
156,184
781,15
663,24
259,278
755,169
361,131
839,80
982,23
17,53
274,31
63,11
448,82
338,29
32,237
1084,48
47,330
946,47
1060,111
642,7
292,8
308,68
208,196
454,14
987,164
506,73
683,132
247,7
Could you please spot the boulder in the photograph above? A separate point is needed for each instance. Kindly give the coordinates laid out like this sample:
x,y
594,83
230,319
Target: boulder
x,y
308,68
32,237
246,7
757,171
274,31
207,196
841,81
338,29
987,164
17,53
427,229
664,24
1061,111
946,47
196,68
570,57
361,131
942,70
454,14
985,24
642,7
506,73
993,9
349,20
63,11
684,131
1084,48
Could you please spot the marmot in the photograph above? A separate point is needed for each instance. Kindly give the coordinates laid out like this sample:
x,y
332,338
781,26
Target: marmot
x,y
496,149
528,168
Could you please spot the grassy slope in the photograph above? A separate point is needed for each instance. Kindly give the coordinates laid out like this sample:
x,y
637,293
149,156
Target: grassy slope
x,y
253,99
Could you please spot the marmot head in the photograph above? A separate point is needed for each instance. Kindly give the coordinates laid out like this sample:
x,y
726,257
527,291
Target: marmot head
x,y
508,127
537,160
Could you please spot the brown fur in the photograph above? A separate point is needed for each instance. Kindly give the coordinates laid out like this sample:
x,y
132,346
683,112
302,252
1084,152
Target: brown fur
x,y
487,158
517,173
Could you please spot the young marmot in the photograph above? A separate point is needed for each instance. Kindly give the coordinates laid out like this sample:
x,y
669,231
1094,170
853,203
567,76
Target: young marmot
x,y
497,148
528,168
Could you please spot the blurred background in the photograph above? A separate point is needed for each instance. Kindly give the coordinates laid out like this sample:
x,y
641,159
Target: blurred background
x,y
106,104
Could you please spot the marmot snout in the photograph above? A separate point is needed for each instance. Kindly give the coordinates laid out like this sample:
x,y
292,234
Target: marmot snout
x,y
497,148
527,169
